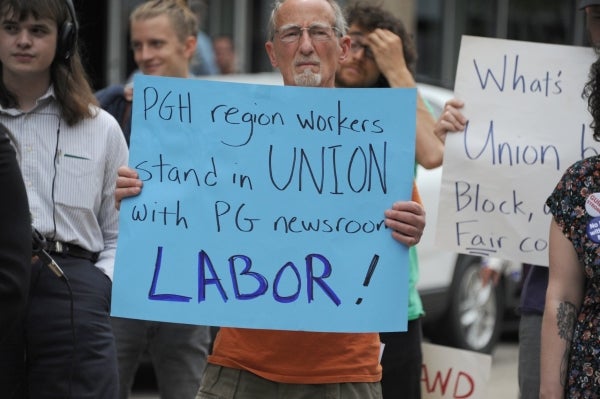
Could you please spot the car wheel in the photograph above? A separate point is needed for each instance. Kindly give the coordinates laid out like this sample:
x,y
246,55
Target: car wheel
x,y
473,320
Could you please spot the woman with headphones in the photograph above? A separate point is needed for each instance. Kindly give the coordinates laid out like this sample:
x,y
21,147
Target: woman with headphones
x,y
68,151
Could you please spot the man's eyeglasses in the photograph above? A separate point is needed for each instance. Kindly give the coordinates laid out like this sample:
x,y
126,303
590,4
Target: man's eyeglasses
x,y
317,33
356,46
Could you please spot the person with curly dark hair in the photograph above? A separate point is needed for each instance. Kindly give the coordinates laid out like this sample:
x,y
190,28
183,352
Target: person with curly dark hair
x,y
383,55
570,366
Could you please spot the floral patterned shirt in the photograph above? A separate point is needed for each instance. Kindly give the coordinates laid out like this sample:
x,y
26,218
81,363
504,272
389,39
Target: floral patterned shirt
x,y
575,204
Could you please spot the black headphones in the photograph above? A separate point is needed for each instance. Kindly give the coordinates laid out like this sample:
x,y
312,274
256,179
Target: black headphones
x,y
67,34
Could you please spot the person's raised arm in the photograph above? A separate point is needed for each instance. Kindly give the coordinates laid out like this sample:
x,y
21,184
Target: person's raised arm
x,y
389,56
563,299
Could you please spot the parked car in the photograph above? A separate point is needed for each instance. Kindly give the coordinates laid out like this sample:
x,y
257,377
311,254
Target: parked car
x,y
460,312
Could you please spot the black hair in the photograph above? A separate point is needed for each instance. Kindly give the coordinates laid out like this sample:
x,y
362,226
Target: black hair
x,y
370,17
591,91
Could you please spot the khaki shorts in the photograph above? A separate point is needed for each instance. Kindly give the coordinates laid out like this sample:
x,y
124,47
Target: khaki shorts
x,y
228,383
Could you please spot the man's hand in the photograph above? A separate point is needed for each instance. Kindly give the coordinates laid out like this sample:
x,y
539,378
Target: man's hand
x,y
406,219
128,184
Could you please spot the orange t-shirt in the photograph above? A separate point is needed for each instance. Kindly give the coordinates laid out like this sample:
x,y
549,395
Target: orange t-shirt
x,y
415,194
301,357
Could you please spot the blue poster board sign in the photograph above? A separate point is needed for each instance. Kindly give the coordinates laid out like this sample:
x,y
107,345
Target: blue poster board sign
x,y
263,206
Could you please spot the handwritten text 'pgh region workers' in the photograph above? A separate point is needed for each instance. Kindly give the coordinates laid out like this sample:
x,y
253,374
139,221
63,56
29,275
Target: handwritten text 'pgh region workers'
x,y
279,199
331,170
511,155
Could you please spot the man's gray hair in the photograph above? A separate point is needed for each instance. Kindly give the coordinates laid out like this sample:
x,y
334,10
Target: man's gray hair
x,y
340,24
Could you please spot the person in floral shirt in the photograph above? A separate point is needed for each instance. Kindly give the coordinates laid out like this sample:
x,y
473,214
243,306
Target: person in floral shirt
x,y
570,361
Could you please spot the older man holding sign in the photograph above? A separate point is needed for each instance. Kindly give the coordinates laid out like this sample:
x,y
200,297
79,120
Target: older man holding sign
x,y
277,265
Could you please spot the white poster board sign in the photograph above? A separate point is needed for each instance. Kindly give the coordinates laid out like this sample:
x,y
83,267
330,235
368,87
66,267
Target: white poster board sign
x,y
527,123
454,373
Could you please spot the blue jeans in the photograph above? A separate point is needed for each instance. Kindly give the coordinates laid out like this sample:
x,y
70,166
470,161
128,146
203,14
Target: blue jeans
x,y
228,383
178,353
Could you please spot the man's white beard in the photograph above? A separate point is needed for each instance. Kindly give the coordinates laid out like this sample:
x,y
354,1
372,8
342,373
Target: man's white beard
x,y
308,78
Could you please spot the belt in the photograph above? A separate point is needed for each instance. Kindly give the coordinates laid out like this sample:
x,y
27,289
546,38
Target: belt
x,y
61,248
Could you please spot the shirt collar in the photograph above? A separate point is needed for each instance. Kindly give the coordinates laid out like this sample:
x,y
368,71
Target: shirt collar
x,y
44,99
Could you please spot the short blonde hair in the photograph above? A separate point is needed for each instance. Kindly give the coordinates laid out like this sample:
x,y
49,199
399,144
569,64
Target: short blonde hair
x,y
184,20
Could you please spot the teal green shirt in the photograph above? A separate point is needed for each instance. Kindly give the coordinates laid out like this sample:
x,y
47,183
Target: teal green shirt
x,y
415,306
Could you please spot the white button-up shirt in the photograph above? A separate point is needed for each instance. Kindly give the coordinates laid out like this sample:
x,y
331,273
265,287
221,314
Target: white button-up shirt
x,y
70,174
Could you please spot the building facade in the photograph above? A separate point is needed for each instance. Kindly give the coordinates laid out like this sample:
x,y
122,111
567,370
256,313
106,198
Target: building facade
x,y
438,26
